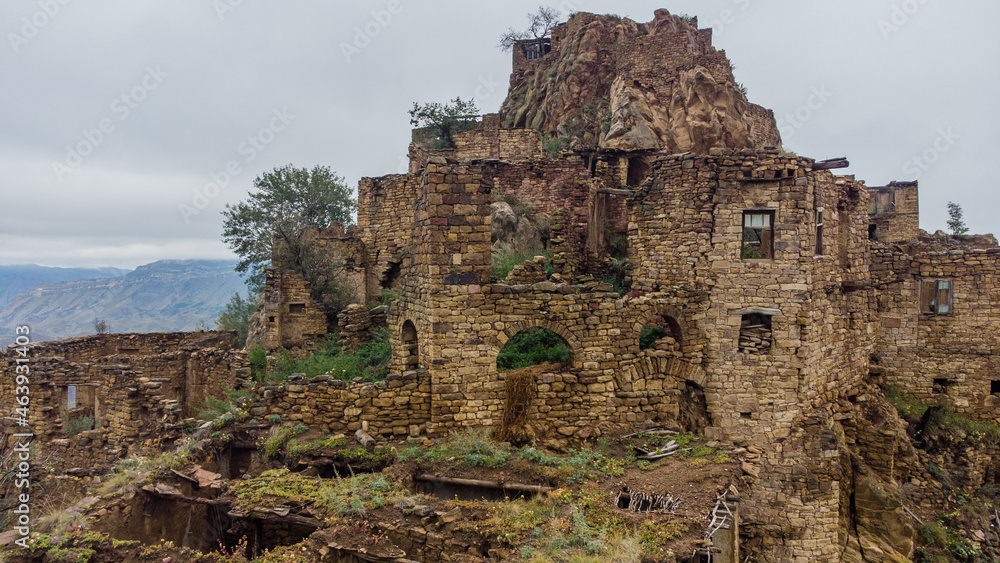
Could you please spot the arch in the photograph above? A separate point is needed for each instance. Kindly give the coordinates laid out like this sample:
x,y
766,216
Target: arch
x,y
410,348
666,318
512,329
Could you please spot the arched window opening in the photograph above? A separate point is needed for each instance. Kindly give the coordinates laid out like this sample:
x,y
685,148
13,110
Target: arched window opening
x,y
532,347
663,329
411,350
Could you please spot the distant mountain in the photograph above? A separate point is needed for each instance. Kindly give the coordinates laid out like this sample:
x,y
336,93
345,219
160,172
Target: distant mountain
x,y
165,296
15,279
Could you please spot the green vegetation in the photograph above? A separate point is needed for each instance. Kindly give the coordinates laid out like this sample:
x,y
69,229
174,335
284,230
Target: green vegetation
x,y
274,445
944,419
236,316
532,347
444,121
370,362
955,222
129,473
357,457
79,424
616,275
552,145
275,226
506,259
649,336
337,498
540,24
224,411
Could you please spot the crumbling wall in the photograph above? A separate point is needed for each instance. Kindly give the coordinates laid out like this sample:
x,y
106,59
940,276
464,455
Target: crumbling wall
x,y
140,395
894,212
289,318
940,357
398,407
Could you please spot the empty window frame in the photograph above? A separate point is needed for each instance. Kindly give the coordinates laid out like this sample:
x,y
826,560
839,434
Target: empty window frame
x,y
71,397
755,334
995,387
758,235
297,308
819,231
936,297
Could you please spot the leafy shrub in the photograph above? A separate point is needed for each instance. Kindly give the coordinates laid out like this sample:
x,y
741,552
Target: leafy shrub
x,y
274,445
906,405
649,336
532,347
257,358
552,146
370,362
79,424
506,259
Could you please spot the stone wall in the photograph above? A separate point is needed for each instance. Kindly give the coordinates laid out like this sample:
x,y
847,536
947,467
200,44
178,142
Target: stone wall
x,y
138,388
396,408
289,317
894,212
944,357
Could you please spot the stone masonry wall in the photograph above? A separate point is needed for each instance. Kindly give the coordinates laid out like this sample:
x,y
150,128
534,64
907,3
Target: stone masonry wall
x,y
139,394
950,358
894,212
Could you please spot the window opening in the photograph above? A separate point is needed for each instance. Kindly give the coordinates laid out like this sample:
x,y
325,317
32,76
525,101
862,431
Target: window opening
x,y
755,334
758,235
936,297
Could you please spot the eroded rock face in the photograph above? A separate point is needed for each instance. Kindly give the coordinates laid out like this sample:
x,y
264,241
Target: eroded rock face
x,y
879,530
512,230
616,84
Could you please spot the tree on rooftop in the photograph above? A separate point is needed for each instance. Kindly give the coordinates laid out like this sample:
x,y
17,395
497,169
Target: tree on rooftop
x,y
277,225
445,120
540,26
955,222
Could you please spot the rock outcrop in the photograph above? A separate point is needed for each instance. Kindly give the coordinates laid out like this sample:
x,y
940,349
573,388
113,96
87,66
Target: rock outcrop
x,y
616,84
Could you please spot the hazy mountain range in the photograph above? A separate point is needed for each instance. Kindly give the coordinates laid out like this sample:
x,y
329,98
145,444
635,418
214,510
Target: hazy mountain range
x,y
165,296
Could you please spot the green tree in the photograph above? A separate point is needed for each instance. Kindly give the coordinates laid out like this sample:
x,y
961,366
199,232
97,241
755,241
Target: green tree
x,y
540,26
277,226
444,119
236,315
955,222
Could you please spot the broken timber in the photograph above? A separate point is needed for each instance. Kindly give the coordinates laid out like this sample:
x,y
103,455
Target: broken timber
x,y
831,164
487,484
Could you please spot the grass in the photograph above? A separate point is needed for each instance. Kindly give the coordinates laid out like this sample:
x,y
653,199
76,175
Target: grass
x,y
912,409
129,473
223,411
275,445
79,424
370,362
336,448
505,259
532,347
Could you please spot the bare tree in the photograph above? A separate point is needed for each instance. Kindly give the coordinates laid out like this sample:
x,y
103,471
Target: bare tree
x,y
540,26
101,327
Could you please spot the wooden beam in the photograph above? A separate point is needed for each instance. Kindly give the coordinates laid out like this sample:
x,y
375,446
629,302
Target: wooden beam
x,y
831,164
614,191
486,484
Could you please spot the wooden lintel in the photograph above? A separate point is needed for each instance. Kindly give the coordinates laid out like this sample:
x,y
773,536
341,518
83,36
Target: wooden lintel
x,y
831,164
488,484
614,191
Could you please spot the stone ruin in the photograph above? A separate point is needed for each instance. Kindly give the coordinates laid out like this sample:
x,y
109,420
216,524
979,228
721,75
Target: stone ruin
x,y
789,292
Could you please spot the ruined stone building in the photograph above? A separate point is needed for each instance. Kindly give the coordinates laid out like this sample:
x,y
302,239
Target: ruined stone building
x,y
789,292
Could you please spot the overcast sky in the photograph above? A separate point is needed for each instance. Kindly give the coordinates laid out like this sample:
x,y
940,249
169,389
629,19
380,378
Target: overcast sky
x,y
117,115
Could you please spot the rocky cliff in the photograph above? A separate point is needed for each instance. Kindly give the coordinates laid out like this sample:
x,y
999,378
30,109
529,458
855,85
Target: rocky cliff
x,y
616,84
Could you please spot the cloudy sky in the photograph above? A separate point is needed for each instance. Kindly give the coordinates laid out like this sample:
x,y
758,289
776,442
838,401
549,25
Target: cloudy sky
x,y
127,125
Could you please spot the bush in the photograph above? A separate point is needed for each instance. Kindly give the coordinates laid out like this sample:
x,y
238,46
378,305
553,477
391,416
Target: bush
x,y
649,336
370,362
257,358
79,424
506,259
532,347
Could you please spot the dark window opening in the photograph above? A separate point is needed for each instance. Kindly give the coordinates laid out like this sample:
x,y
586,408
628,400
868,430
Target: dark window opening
x,y
873,232
758,235
297,308
411,349
391,275
270,319
882,201
746,415
534,50
995,387
755,334
941,386
936,297
819,232
638,171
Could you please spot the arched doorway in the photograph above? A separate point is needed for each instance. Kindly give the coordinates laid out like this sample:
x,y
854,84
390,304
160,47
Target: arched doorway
x,y
410,348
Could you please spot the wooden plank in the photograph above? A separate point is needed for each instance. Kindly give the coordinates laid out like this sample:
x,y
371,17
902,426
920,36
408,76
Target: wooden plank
x,y
486,484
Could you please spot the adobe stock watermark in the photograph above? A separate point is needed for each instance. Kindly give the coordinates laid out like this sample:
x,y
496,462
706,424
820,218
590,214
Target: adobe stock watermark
x,y
915,166
728,16
121,108
901,15
249,149
364,35
48,10
792,122
225,7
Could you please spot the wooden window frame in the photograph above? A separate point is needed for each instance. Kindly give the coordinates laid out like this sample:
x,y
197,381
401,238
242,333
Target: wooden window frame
x,y
764,243
934,292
